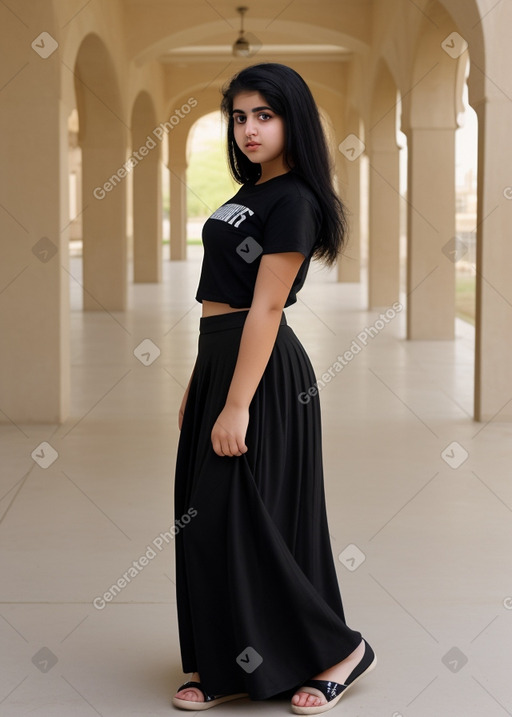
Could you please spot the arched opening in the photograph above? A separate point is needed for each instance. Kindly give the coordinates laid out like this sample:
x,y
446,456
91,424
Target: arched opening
x,y
75,211
466,150
209,182
147,192
401,139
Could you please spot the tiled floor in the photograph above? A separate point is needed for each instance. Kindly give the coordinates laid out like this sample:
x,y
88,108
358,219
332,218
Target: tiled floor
x,y
423,545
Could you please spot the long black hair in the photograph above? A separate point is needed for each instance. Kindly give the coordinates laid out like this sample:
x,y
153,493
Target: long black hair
x,y
305,152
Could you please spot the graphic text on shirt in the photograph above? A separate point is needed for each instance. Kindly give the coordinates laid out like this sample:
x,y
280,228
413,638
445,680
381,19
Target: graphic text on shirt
x,y
232,214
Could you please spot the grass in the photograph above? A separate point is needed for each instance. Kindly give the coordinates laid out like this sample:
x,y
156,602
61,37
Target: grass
x,y
465,297
189,241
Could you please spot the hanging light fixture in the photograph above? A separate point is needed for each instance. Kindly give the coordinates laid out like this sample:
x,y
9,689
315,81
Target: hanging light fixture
x,y
241,47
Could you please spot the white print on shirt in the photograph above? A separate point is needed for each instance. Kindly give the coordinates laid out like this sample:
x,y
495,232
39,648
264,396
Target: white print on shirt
x,y
230,212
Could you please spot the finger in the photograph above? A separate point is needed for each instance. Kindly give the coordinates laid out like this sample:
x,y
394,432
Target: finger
x,y
238,446
228,447
234,449
216,445
221,445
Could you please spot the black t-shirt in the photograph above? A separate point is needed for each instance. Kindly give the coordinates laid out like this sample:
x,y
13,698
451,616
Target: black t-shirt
x,y
279,215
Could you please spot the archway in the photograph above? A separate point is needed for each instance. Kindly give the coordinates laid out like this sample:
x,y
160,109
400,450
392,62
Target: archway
x,y
384,190
429,120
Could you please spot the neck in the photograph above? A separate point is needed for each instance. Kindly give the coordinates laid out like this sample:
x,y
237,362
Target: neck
x,y
269,172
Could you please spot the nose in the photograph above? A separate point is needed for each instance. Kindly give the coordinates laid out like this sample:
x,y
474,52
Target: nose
x,y
250,127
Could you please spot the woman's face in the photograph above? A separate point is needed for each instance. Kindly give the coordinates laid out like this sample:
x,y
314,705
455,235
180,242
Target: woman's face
x,y
259,131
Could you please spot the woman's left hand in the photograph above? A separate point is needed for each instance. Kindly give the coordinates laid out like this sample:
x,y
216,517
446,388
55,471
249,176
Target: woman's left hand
x,y
229,430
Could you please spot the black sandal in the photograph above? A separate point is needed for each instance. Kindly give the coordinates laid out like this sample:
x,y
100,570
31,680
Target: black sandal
x,y
333,691
209,700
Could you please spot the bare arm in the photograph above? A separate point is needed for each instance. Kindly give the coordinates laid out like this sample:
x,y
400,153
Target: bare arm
x,y
276,274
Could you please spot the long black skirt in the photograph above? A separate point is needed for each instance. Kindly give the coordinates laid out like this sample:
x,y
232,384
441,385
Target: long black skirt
x,y
259,607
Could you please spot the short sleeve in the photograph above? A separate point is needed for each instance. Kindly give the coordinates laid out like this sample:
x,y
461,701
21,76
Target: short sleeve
x,y
292,225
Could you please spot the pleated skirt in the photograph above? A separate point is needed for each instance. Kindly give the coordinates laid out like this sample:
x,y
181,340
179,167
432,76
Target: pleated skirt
x,y
259,606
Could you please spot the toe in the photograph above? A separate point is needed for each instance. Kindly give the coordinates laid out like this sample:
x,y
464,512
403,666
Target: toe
x,y
312,701
298,699
305,699
190,695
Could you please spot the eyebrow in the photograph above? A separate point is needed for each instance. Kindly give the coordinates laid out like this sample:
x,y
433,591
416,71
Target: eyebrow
x,y
254,109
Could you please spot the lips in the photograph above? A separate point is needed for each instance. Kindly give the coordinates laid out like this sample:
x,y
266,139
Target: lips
x,y
252,145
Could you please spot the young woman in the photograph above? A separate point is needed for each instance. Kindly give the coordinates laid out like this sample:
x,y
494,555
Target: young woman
x,y
259,608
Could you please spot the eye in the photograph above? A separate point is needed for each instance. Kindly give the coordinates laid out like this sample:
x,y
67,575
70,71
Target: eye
x,y
239,119
264,116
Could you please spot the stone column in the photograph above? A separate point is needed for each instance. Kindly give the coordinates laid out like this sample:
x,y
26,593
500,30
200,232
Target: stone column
x,y
431,231
349,265
147,218
178,210
104,225
34,283
384,229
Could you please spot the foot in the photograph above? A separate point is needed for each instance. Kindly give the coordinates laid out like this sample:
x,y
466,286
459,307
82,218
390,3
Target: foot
x,y
337,673
191,694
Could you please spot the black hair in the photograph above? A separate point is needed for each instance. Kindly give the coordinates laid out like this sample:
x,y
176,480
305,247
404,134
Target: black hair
x,y
306,151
